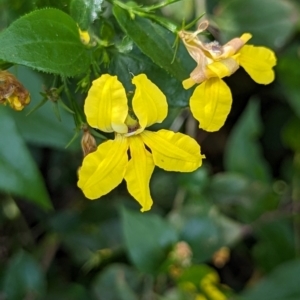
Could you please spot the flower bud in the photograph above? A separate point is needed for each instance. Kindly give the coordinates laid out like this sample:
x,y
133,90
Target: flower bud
x,y
88,143
84,36
12,92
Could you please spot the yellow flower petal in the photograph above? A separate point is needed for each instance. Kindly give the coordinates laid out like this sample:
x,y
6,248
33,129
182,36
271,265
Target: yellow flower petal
x,y
211,103
106,105
234,45
223,68
246,37
188,83
104,169
15,103
173,151
149,103
138,172
193,45
258,63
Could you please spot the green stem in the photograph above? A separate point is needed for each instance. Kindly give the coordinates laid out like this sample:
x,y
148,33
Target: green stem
x,y
147,12
78,118
160,5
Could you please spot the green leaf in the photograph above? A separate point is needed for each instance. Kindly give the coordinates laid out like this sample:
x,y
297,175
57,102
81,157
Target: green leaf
x,y
147,238
46,40
135,62
281,284
244,199
19,174
275,244
290,134
84,12
270,22
177,293
206,230
42,127
195,182
156,42
24,277
116,282
64,290
288,71
243,153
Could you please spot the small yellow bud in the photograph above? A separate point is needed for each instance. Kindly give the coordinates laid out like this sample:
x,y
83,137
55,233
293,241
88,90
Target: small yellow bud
x,y
84,36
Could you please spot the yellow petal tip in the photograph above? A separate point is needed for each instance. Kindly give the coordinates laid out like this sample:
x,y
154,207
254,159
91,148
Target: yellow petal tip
x,y
246,37
188,83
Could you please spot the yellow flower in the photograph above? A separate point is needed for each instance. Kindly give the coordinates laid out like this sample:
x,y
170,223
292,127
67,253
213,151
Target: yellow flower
x,y
211,101
106,109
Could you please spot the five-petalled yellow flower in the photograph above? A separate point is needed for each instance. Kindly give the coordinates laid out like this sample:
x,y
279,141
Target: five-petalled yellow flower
x,y
211,100
134,151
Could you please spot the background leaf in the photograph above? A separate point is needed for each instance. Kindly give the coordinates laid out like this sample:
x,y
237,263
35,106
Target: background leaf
x,y
147,238
42,127
116,282
205,229
270,22
46,40
84,12
238,195
24,278
19,174
290,134
275,244
242,153
156,42
288,71
136,62
282,283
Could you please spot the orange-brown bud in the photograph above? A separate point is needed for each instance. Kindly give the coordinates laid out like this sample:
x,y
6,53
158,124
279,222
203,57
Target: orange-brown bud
x,y
182,254
221,257
12,91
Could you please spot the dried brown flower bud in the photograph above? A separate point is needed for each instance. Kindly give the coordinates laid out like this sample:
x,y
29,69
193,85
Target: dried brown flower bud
x,y
12,91
88,142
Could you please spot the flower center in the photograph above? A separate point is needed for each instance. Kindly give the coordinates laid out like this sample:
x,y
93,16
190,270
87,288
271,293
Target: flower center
x,y
215,47
132,123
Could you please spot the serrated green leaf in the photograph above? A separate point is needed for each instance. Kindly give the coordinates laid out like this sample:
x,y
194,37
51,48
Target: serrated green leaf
x,y
23,277
270,22
242,153
46,40
156,42
19,174
157,237
84,12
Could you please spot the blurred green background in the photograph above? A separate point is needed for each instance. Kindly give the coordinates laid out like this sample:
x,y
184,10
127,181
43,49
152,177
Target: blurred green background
x,y
230,230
